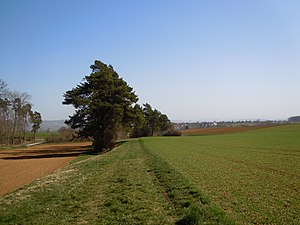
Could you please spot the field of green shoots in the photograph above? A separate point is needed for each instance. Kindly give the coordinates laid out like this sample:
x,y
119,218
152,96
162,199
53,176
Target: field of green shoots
x,y
254,176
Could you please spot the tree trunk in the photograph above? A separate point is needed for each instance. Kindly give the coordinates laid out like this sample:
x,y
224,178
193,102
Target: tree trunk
x,y
104,140
14,128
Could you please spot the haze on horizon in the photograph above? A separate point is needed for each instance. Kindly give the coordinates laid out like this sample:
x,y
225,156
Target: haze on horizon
x,y
192,60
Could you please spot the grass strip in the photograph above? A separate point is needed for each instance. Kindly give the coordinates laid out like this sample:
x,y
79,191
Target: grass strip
x,y
112,188
192,206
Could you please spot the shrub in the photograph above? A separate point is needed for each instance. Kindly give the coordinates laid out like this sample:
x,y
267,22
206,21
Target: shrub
x,y
172,132
64,135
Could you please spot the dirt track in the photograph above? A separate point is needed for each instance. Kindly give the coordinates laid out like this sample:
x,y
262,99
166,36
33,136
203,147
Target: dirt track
x,y
19,167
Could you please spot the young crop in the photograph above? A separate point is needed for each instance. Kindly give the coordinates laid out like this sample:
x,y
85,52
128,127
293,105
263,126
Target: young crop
x,y
253,176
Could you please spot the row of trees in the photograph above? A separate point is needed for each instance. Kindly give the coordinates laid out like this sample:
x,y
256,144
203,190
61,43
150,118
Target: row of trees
x,y
15,116
105,104
148,121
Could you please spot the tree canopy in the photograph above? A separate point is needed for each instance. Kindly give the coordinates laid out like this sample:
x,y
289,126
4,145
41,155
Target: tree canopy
x,y
103,103
148,121
36,120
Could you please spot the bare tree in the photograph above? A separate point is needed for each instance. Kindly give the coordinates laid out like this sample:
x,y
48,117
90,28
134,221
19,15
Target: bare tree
x,y
4,112
15,115
20,109
3,88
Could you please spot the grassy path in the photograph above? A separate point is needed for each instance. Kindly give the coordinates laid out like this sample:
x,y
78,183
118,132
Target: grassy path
x,y
113,188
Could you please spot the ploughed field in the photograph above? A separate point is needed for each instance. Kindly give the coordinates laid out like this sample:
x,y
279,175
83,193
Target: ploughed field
x,y
19,167
249,177
220,130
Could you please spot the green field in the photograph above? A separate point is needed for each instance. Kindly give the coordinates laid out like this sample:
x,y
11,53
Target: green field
x,y
244,178
254,176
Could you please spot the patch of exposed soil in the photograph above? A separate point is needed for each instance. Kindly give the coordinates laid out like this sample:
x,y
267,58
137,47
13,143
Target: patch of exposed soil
x,y
19,167
219,130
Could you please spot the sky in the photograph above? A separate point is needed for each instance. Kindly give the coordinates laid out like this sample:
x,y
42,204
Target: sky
x,y
192,60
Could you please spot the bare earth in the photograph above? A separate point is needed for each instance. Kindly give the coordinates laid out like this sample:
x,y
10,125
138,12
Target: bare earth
x,y
19,167
220,130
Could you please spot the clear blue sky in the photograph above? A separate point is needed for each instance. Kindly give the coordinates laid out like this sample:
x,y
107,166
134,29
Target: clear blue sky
x,y
193,60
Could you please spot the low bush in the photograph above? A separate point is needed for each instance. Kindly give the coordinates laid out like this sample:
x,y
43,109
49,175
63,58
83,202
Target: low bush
x,y
172,132
64,135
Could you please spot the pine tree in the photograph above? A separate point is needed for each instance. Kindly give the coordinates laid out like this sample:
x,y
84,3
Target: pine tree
x,y
103,103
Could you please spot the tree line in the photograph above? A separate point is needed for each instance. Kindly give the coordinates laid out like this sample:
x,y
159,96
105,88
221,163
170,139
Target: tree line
x,y
105,105
15,116
148,121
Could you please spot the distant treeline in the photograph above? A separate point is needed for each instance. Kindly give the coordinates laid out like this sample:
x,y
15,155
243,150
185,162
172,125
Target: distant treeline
x,y
15,116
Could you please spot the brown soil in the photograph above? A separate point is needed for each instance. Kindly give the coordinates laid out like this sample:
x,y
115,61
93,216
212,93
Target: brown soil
x,y
19,167
219,130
